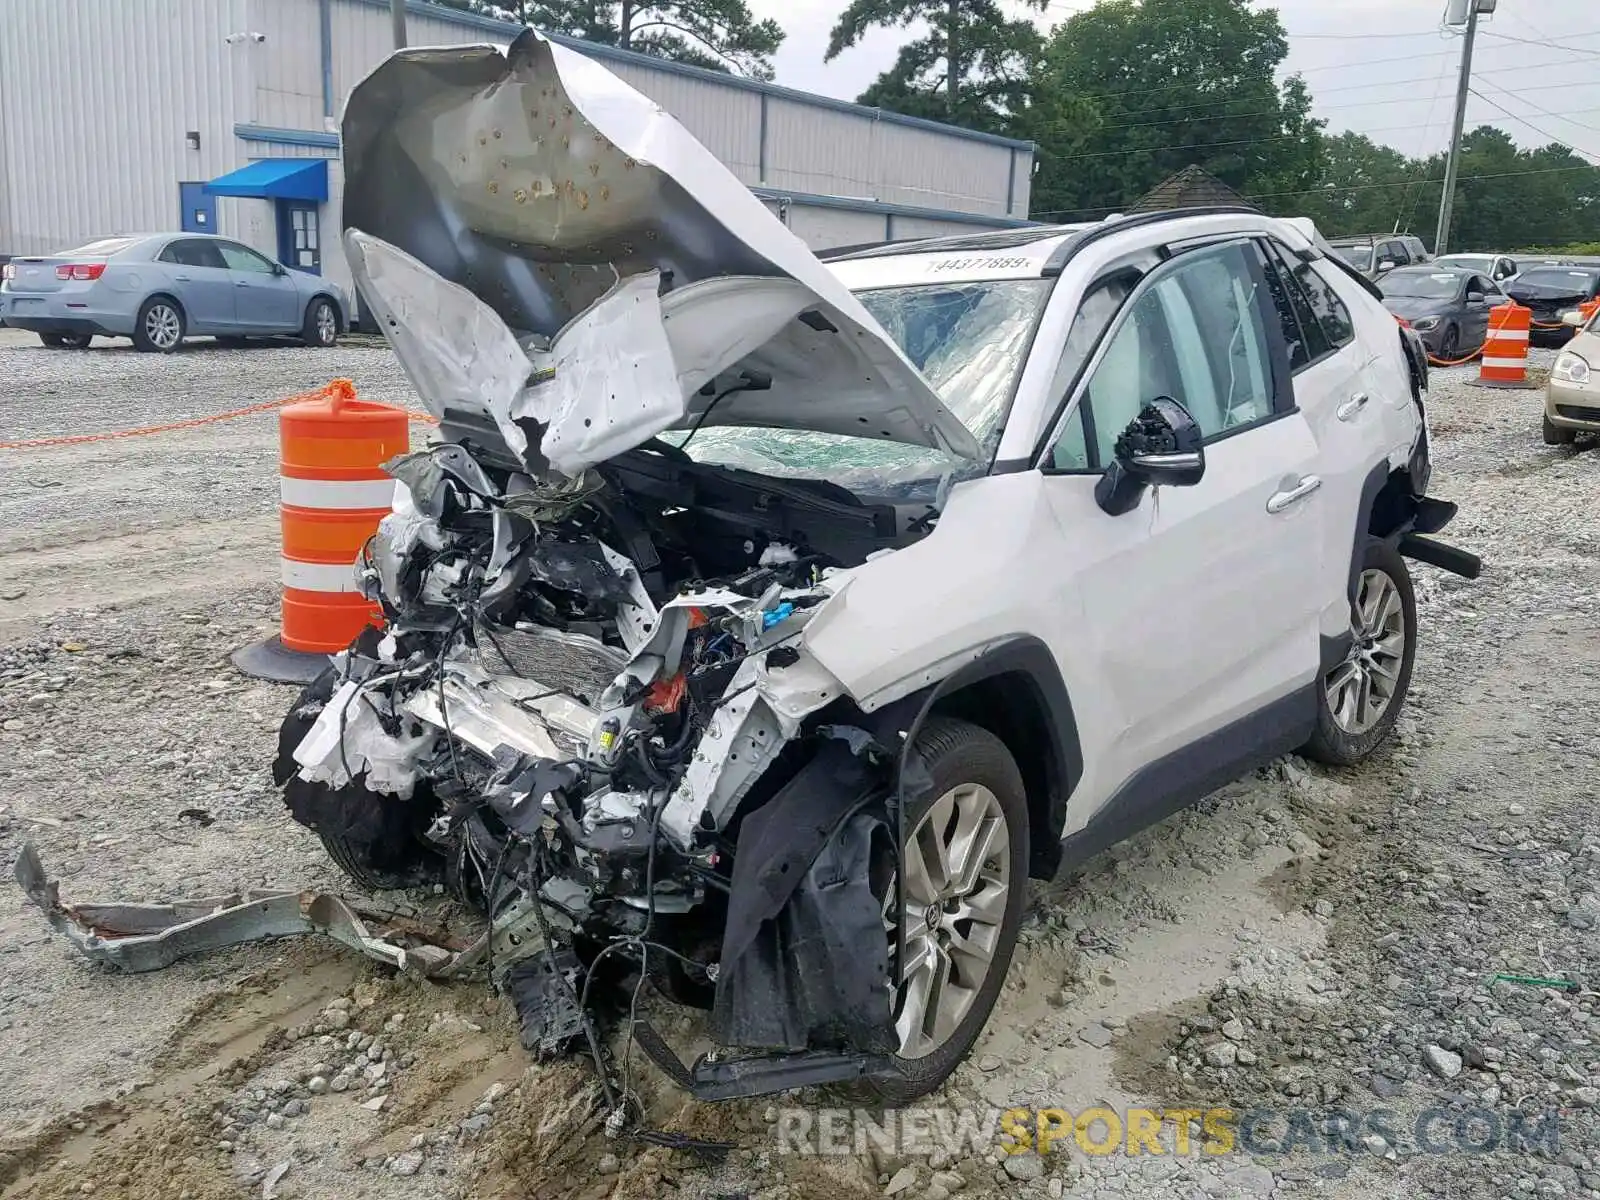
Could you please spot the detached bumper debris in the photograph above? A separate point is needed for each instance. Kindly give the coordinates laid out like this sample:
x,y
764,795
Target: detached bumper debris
x,y
147,937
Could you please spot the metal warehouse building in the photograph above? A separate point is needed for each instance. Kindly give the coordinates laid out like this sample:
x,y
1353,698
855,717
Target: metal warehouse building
x,y
122,116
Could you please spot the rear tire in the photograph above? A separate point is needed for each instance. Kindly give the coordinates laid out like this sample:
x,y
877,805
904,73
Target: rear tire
x,y
160,326
321,328
973,766
55,341
1360,699
77,341
1557,435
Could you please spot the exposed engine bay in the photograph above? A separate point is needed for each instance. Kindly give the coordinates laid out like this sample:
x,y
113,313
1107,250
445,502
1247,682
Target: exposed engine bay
x,y
590,713
588,716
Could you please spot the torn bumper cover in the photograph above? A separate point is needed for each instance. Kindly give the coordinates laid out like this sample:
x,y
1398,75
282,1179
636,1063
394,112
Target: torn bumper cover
x,y
147,937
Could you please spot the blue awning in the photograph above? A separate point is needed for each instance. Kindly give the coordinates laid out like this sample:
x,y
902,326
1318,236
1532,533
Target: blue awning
x,y
275,179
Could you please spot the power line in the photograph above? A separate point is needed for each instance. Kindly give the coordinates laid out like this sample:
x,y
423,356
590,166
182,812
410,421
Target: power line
x,y
1544,111
1365,187
1344,87
1422,166
1541,132
1267,112
1548,44
1354,187
1287,137
1361,37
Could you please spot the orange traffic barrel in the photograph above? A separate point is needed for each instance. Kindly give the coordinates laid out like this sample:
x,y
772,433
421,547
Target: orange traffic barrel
x,y
332,493
1588,308
1505,347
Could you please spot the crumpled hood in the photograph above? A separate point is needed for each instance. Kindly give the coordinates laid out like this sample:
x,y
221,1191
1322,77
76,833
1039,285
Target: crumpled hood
x,y
541,242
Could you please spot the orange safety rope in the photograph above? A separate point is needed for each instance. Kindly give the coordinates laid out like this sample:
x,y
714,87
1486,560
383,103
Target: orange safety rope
x,y
1453,362
343,388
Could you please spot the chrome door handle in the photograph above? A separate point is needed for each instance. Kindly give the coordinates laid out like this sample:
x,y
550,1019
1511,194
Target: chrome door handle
x,y
241,283
1352,406
1282,500
181,278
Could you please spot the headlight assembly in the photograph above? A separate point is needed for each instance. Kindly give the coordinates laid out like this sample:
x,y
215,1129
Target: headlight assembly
x,y
1570,368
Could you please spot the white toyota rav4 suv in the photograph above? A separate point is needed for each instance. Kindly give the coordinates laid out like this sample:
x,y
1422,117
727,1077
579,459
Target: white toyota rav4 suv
x,y
758,626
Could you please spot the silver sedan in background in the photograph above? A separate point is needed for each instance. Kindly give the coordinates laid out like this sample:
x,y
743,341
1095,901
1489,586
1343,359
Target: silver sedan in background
x,y
160,288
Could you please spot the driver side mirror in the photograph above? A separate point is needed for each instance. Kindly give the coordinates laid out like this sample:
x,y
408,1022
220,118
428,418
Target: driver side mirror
x,y
1385,265
1476,297
279,269
1161,446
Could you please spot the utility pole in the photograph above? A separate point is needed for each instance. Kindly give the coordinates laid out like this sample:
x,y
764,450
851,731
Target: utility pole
x,y
1447,202
397,21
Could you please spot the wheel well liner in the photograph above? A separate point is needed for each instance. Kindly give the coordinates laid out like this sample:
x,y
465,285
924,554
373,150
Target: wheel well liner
x,y
1016,692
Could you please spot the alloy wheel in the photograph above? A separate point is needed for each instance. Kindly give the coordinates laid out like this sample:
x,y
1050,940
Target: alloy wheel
x,y
327,325
957,881
162,327
1362,687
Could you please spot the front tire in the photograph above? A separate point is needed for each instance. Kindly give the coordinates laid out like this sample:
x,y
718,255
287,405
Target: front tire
x,y
966,859
54,341
1359,700
1450,344
159,328
1557,435
321,328
374,839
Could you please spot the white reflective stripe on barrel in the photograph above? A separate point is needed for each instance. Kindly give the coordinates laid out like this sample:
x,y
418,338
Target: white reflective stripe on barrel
x,y
1510,364
319,577
336,493
1508,335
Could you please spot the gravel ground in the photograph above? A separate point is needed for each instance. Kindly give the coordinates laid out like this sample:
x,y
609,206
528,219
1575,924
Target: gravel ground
x,y
1306,941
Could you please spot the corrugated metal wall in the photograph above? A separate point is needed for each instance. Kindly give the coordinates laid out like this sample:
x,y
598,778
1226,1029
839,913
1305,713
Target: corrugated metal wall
x,y
834,153
287,91
821,149
96,98
95,101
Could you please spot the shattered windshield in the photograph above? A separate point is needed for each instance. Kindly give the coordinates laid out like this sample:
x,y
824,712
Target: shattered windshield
x,y
970,339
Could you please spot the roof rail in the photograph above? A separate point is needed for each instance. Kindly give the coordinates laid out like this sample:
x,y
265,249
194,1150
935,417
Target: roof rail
x,y
990,239
1111,225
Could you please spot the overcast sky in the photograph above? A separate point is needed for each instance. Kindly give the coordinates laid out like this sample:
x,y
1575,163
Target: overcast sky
x,y
1380,67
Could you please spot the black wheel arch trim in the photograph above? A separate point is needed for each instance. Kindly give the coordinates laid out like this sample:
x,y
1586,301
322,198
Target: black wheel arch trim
x,y
1051,773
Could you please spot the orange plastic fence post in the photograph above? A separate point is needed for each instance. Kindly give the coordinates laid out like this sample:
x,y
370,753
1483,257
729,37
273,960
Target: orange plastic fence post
x,y
1505,347
332,494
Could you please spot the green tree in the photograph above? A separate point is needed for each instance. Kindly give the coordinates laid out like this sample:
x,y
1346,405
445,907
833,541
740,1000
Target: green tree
x,y
972,65
1507,198
1363,188
1132,91
722,35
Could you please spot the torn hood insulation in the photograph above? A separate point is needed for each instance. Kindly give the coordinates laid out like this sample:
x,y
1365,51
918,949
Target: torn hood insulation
x,y
542,243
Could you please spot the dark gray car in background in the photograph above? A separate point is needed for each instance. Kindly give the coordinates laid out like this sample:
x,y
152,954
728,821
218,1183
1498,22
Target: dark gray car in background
x,y
1552,290
1449,309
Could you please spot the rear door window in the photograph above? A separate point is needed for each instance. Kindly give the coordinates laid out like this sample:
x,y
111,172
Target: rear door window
x,y
1296,316
1331,312
192,252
